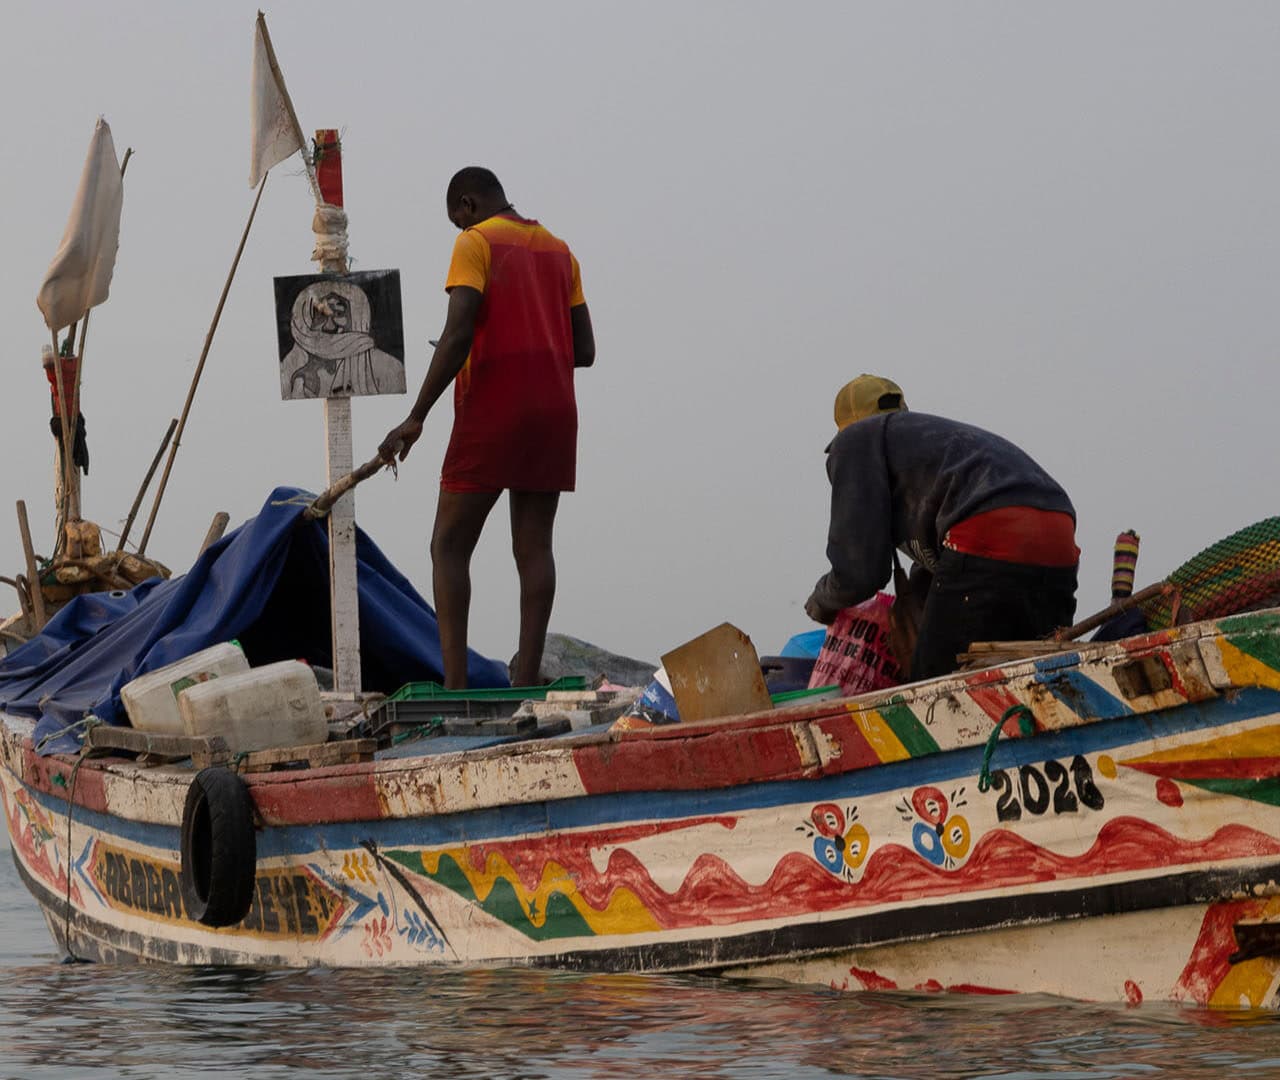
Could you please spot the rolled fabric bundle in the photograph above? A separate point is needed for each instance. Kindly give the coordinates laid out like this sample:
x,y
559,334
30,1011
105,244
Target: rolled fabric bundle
x,y
1124,563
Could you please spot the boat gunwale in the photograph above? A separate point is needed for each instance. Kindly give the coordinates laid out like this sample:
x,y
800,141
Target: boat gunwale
x,y
802,721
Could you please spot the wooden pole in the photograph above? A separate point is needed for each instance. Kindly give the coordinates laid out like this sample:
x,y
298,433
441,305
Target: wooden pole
x,y
1161,588
146,483
325,500
64,504
78,352
344,590
33,576
216,528
195,379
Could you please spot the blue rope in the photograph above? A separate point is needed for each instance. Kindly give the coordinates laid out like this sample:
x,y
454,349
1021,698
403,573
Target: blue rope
x,y
1026,724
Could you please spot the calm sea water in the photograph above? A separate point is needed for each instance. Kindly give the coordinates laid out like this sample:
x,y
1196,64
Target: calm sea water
x,y
77,1020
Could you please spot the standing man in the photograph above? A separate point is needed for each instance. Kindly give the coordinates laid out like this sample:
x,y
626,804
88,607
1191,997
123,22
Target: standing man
x,y
517,327
995,531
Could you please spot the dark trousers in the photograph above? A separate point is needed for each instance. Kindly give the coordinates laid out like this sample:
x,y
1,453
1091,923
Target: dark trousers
x,y
975,599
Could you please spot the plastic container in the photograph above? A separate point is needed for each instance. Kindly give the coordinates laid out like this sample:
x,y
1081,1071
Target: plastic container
x,y
784,673
276,705
151,700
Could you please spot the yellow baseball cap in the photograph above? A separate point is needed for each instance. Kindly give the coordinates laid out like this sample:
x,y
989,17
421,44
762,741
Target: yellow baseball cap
x,y
867,395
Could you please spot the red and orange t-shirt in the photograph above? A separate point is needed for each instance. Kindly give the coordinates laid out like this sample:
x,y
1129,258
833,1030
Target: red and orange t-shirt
x,y
515,420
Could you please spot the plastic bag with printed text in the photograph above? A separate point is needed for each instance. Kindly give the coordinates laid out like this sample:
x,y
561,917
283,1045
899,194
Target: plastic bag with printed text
x,y
857,655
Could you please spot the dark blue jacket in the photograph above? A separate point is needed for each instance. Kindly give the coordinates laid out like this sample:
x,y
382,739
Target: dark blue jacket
x,y
902,480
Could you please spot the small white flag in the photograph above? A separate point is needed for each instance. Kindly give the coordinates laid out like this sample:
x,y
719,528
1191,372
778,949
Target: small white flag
x,y
80,275
275,131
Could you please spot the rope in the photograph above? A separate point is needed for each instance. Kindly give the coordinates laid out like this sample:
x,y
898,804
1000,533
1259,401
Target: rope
x,y
71,802
330,228
1026,724
88,721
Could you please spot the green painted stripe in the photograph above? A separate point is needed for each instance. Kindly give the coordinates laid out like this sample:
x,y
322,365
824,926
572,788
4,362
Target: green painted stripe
x,y
910,732
1263,791
563,919
1251,622
1265,648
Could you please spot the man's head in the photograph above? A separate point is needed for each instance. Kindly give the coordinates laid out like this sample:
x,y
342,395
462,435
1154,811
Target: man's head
x,y
473,194
867,395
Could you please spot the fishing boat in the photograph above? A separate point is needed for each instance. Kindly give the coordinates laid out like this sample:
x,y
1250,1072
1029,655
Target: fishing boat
x,y
1102,823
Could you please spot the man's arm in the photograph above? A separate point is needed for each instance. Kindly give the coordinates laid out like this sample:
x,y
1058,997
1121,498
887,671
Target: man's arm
x,y
447,360
859,539
584,338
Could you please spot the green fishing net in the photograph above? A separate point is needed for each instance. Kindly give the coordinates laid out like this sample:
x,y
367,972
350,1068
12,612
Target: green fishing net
x,y
1235,574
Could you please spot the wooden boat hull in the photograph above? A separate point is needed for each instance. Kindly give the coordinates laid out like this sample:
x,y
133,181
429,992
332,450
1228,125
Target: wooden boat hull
x,y
1128,849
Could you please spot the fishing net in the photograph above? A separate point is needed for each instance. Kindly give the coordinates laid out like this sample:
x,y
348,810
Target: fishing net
x,y
1235,574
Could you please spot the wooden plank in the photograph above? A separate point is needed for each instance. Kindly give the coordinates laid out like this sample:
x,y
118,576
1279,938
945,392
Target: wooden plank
x,y
203,750
716,674
317,755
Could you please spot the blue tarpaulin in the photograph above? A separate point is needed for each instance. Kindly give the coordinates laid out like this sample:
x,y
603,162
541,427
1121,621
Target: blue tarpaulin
x,y
266,585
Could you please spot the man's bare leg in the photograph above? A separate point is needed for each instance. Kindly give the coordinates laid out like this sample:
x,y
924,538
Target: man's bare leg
x,y
533,516
459,519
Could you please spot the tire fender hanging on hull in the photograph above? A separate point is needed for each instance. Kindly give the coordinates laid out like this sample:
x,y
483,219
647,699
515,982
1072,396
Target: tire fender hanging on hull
x,y
219,848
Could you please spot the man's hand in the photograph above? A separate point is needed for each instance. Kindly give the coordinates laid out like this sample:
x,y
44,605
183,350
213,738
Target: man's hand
x,y
399,439
818,613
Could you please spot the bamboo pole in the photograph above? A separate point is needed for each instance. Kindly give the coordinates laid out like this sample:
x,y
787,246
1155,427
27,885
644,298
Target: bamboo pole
x,y
33,576
146,483
195,379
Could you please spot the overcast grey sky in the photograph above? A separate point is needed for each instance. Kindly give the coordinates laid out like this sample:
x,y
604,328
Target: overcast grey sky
x,y
1058,221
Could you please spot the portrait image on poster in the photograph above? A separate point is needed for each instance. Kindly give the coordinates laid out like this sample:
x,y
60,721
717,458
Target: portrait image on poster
x,y
340,335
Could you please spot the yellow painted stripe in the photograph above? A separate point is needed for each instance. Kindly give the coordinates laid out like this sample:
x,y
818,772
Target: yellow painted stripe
x,y
625,914
879,735
1248,985
1252,983
1245,670
1255,743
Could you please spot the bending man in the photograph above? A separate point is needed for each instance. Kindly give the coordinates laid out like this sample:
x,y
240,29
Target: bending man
x,y
996,532
517,327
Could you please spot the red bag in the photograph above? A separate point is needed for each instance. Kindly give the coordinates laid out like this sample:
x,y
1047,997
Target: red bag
x,y
857,654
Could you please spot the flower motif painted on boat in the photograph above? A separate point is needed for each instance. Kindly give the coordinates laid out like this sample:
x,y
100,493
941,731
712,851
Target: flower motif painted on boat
x,y
937,835
840,843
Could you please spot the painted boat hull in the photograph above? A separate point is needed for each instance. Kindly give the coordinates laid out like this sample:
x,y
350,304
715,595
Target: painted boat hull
x,y
1115,856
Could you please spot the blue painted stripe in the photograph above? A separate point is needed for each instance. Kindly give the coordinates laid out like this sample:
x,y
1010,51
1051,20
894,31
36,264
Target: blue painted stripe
x,y
607,810
1082,695
137,832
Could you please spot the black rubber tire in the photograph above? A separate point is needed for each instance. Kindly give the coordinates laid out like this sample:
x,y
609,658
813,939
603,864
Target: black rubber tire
x,y
219,849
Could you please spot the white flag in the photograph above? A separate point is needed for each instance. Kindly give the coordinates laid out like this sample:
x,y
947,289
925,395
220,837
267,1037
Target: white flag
x,y
275,131
80,274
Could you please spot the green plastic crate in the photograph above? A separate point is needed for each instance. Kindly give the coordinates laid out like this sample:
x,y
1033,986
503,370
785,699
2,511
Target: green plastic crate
x,y
819,693
432,691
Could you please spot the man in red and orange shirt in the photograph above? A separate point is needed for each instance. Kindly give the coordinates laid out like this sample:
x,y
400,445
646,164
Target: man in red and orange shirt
x,y
517,327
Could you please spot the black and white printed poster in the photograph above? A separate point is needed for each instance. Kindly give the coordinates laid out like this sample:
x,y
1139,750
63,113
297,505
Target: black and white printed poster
x,y
340,335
